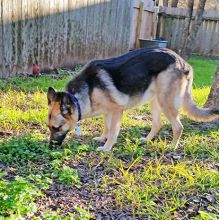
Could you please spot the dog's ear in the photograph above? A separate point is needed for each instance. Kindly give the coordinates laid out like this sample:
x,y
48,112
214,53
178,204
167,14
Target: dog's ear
x,y
66,104
51,93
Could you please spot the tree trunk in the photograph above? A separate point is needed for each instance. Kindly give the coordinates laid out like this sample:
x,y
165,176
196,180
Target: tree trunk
x,y
174,3
213,98
187,25
165,3
188,47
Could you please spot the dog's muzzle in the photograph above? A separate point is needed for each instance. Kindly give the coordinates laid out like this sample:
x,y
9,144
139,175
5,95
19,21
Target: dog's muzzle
x,y
57,138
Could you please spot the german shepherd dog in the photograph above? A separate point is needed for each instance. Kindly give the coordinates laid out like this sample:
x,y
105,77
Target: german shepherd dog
x,y
149,75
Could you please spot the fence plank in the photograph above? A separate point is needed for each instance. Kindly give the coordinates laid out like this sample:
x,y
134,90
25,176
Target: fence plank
x,y
139,22
7,36
126,29
134,17
1,42
106,12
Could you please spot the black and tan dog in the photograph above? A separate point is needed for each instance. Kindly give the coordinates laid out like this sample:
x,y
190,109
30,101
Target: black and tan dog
x,y
108,87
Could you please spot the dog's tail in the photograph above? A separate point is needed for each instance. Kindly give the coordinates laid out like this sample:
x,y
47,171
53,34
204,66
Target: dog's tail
x,y
193,111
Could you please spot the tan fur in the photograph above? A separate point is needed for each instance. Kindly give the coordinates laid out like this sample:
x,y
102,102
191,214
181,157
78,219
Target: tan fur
x,y
54,111
193,111
165,95
57,119
169,91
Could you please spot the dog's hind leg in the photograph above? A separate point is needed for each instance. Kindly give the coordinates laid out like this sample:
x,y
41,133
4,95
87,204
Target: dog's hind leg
x,y
113,130
103,137
177,130
177,126
156,120
170,110
170,88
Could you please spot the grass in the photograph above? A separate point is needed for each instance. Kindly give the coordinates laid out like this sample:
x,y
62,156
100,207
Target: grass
x,y
160,189
75,181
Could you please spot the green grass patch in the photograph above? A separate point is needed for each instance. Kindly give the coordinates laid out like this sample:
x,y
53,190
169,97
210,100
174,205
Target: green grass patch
x,y
17,198
204,70
22,149
134,180
159,189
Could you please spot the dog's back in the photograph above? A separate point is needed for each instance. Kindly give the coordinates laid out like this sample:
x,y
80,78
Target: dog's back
x,y
133,72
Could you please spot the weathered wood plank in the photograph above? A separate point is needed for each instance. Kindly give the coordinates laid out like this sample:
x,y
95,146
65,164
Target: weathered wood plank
x,y
65,33
182,12
71,29
1,42
7,37
99,35
139,23
118,20
134,18
148,5
106,9
88,44
82,31
46,62
126,28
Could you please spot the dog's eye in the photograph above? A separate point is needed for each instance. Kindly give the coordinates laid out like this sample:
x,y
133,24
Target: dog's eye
x,y
65,112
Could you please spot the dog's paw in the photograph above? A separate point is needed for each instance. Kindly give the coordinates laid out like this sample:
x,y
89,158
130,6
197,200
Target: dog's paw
x,y
99,139
104,149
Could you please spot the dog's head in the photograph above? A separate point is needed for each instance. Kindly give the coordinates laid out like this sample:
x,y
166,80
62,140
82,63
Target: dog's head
x,y
61,116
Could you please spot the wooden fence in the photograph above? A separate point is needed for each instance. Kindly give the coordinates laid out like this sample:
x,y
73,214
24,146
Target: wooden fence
x,y
171,26
55,33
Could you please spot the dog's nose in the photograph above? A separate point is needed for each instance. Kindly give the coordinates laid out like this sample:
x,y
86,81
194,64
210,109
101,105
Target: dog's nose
x,y
54,143
57,139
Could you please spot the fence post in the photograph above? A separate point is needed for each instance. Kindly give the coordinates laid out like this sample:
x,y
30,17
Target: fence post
x,y
138,26
143,21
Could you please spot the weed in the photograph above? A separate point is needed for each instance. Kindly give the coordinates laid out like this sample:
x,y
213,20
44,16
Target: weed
x,y
67,176
17,198
21,149
160,189
84,214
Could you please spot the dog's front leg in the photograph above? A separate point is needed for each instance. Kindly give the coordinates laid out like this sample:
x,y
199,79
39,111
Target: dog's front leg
x,y
113,131
104,136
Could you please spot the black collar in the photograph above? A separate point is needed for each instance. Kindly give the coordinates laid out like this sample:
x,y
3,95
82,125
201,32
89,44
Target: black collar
x,y
76,102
